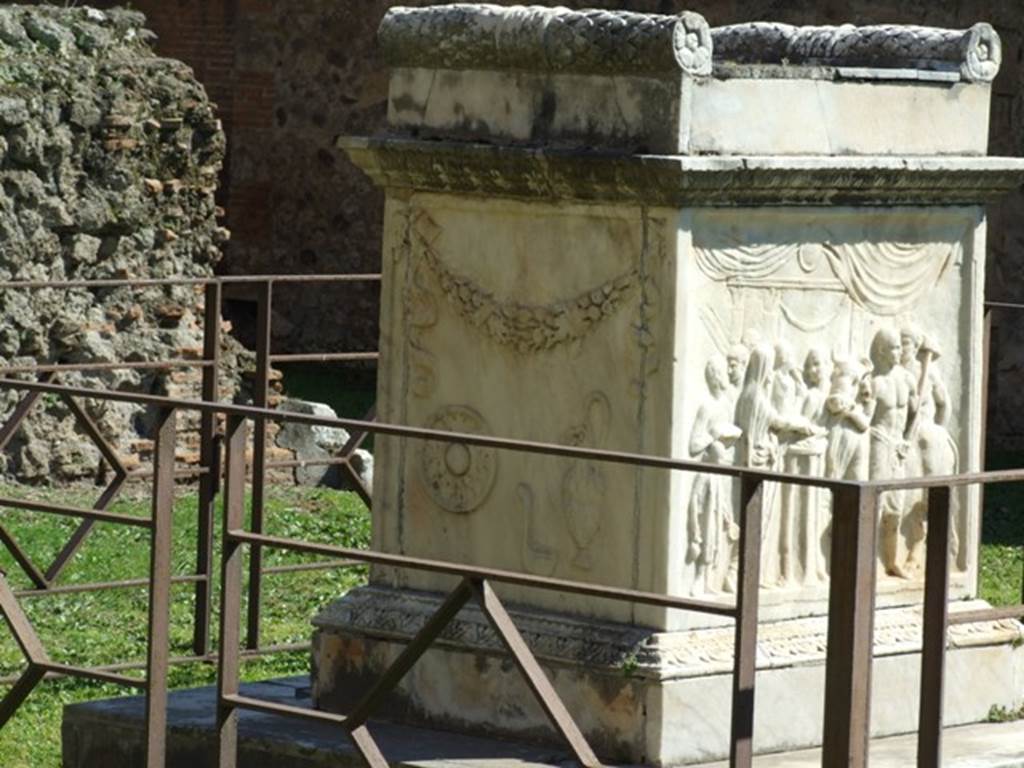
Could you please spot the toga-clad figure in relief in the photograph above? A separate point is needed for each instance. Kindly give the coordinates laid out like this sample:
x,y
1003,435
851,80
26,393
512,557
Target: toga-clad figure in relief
x,y
710,524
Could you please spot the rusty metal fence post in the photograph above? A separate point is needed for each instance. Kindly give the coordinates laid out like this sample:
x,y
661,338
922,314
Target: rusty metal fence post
x,y
231,591
261,393
158,645
741,751
934,629
209,461
851,611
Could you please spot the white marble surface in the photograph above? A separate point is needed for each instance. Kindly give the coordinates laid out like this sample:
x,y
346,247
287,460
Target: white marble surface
x,y
991,745
704,116
487,328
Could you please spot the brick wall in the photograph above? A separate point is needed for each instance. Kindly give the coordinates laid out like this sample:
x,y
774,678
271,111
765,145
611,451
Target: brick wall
x,y
289,76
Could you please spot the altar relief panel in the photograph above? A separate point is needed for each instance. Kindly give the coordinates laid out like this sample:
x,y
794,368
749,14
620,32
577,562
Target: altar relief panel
x,y
826,352
529,322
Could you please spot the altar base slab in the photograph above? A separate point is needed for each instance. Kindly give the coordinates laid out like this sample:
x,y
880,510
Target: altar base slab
x,y
645,696
99,734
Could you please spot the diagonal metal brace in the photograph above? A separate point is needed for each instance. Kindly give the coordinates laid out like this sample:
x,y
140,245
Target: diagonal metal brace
x,y
37,577
13,423
417,646
355,722
534,675
31,646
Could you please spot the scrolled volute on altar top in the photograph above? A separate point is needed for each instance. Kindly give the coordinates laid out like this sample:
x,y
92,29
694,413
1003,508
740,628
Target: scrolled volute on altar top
x,y
974,53
531,38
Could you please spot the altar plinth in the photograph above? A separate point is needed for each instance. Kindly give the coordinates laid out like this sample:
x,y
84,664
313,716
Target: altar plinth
x,y
756,245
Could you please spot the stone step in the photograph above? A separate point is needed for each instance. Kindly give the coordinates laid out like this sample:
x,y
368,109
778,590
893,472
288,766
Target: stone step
x,y
110,732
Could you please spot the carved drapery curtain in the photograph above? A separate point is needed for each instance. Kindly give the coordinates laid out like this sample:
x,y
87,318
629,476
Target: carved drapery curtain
x,y
884,278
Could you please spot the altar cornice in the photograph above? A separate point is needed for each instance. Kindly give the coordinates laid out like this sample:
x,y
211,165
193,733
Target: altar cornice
x,y
678,180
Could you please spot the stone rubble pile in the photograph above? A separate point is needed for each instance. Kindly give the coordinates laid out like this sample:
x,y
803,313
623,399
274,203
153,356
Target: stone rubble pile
x,y
109,158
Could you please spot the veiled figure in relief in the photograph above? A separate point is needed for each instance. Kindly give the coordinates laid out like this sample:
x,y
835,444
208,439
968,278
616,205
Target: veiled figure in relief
x,y
894,405
713,532
759,447
806,509
736,362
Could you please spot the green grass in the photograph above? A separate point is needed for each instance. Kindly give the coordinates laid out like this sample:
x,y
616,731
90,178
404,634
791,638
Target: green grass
x,y
1002,536
110,627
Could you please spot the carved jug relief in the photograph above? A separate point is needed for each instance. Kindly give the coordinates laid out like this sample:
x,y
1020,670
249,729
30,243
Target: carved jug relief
x,y
585,484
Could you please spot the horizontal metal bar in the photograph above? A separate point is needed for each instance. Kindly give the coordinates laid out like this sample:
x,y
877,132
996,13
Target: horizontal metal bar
x,y
1003,305
318,566
938,481
327,357
492,574
150,282
987,614
103,586
419,433
523,446
67,670
355,277
274,708
133,365
145,474
175,660
191,578
292,463
88,514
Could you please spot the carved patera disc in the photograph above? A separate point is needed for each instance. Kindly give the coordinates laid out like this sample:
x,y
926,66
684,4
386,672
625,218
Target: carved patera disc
x,y
459,477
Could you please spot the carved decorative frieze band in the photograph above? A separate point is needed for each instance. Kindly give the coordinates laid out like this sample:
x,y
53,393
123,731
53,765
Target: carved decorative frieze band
x,y
383,613
516,172
975,53
482,36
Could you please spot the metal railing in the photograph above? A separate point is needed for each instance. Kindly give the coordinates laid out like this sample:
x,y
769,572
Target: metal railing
x,y
209,363
851,590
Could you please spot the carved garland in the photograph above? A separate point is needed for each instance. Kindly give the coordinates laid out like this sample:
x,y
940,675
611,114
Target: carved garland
x,y
530,328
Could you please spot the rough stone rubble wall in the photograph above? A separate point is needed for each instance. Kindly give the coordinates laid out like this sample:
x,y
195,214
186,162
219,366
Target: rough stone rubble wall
x,y
109,160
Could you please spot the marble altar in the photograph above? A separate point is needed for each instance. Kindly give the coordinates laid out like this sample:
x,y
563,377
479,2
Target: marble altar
x,y
755,245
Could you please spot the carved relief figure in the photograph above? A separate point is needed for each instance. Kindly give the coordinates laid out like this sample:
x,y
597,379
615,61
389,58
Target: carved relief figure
x,y
710,524
806,509
787,384
934,451
788,391
759,447
736,361
894,405
847,417
585,483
